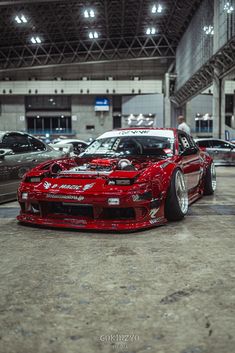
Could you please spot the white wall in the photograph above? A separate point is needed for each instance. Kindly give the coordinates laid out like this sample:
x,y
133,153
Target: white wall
x,y
83,110
81,87
12,113
144,104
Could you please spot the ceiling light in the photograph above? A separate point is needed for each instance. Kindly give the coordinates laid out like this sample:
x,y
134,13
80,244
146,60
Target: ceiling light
x,y
38,40
21,19
228,7
208,30
17,19
151,30
93,35
157,8
33,40
89,13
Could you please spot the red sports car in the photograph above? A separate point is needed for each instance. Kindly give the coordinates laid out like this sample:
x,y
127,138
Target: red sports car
x,y
126,179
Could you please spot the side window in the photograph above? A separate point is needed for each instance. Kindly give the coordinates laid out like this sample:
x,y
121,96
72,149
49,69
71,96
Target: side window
x,y
17,142
193,143
220,144
204,143
36,145
184,142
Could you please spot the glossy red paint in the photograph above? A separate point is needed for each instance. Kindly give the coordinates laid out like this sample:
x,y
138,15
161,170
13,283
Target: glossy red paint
x,y
93,193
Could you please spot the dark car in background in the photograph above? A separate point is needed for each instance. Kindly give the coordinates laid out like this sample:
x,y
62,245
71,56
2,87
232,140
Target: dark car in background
x,y
19,152
222,152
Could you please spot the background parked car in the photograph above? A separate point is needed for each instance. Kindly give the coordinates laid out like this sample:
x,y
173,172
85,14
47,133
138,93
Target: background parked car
x,y
19,152
70,145
222,152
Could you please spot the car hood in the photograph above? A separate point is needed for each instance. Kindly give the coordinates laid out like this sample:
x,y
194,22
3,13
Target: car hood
x,y
94,176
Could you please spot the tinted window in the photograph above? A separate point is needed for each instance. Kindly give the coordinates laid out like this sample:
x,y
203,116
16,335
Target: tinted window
x,y
220,144
204,143
193,143
17,142
36,144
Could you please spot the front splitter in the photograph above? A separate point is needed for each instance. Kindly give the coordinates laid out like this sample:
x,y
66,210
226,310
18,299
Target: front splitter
x,y
99,225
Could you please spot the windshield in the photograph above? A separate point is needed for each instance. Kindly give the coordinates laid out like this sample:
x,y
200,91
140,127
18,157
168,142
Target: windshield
x,y
131,146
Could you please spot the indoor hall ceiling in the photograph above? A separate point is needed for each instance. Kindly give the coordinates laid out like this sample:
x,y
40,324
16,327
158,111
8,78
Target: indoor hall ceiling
x,y
65,35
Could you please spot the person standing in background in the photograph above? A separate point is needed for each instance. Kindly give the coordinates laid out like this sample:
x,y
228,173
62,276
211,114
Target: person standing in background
x,y
182,125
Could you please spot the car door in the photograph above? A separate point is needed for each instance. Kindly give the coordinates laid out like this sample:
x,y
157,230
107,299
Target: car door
x,y
191,163
14,164
232,153
222,152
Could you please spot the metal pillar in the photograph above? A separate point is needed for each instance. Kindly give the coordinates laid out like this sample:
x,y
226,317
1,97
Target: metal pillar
x,y
167,102
222,108
217,93
189,118
216,105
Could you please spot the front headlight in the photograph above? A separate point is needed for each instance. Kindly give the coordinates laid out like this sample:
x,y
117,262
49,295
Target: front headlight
x,y
34,180
120,181
24,196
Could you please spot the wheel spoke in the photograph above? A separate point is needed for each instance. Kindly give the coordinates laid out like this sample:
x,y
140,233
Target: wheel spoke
x,y
181,192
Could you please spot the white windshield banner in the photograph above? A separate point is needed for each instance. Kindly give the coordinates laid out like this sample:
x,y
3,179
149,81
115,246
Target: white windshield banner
x,y
120,133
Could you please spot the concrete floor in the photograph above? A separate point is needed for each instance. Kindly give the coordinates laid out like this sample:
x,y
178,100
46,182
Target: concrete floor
x,y
166,290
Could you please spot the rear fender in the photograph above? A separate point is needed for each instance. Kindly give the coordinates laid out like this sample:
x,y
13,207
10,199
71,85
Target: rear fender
x,y
207,160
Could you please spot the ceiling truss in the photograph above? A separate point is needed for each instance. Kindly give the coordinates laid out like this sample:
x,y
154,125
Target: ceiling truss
x,y
65,32
16,57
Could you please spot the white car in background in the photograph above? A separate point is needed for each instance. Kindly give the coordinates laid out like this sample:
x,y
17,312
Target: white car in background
x,y
71,146
222,152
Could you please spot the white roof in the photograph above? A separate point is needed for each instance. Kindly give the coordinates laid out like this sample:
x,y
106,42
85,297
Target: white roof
x,y
65,141
138,132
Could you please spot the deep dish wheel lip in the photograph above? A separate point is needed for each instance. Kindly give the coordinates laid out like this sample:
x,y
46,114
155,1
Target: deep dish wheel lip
x,y
181,192
213,177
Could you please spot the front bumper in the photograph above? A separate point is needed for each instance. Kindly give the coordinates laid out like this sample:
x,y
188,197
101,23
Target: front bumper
x,y
92,212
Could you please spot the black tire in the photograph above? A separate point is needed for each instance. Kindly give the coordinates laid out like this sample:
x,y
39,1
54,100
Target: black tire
x,y
173,210
210,180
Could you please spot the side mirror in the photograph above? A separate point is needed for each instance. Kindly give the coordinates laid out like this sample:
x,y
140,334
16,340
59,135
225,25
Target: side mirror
x,y
189,151
5,152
